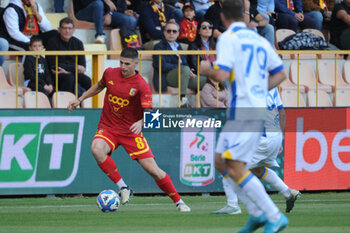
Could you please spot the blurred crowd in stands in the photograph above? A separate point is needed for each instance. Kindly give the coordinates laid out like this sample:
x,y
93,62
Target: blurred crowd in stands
x,y
157,25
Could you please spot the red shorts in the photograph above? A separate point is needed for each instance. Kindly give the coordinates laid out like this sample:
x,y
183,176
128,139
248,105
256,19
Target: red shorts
x,y
135,145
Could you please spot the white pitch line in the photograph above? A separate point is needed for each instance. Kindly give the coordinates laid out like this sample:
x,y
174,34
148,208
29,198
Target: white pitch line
x,y
73,206
149,204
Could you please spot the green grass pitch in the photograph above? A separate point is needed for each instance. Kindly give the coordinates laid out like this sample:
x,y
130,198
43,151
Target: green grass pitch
x,y
314,213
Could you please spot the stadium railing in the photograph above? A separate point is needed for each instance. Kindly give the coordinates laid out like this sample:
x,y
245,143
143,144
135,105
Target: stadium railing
x,y
99,57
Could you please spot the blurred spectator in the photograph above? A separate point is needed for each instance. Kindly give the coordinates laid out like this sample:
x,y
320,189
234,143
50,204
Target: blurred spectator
x,y
177,6
327,7
169,75
266,6
152,21
4,46
340,25
65,41
213,15
92,11
136,5
312,8
204,41
260,22
105,12
324,6
22,19
121,17
291,15
59,6
201,7
29,69
209,94
188,26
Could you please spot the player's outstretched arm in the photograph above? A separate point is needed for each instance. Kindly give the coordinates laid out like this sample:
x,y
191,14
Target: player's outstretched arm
x,y
94,90
73,104
217,75
276,79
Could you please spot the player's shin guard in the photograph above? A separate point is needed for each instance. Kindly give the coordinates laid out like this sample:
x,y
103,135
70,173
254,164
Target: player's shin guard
x,y
270,177
110,169
255,191
167,186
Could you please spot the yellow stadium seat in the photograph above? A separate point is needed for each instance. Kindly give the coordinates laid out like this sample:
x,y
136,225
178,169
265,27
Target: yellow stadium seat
x,y
30,100
315,32
326,75
94,47
290,98
3,80
5,85
346,71
8,99
307,76
323,99
12,77
115,43
63,99
288,85
281,34
55,19
342,98
12,74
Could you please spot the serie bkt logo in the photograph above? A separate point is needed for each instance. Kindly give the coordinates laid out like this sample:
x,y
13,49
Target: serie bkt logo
x,y
39,151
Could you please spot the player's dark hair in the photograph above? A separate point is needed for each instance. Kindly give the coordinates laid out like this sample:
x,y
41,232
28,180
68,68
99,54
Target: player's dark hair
x,y
233,9
35,39
66,20
129,52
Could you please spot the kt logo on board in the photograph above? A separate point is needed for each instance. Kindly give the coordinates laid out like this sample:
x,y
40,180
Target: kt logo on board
x,y
39,151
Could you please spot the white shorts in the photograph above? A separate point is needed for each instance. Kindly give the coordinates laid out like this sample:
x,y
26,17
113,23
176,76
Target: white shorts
x,y
267,151
239,139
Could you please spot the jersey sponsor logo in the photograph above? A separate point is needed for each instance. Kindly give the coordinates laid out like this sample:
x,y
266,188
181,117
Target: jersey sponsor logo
x,y
117,100
115,108
257,91
111,82
132,91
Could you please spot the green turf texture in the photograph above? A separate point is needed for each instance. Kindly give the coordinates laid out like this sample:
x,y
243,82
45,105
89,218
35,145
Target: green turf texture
x,y
314,213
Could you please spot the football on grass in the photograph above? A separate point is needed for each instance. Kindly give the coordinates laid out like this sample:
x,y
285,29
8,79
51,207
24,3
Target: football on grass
x,y
108,201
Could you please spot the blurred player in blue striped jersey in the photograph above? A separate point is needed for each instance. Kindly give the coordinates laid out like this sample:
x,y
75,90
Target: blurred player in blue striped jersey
x,y
270,145
256,68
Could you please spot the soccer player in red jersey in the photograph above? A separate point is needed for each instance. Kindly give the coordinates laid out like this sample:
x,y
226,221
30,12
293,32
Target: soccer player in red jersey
x,y
121,124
